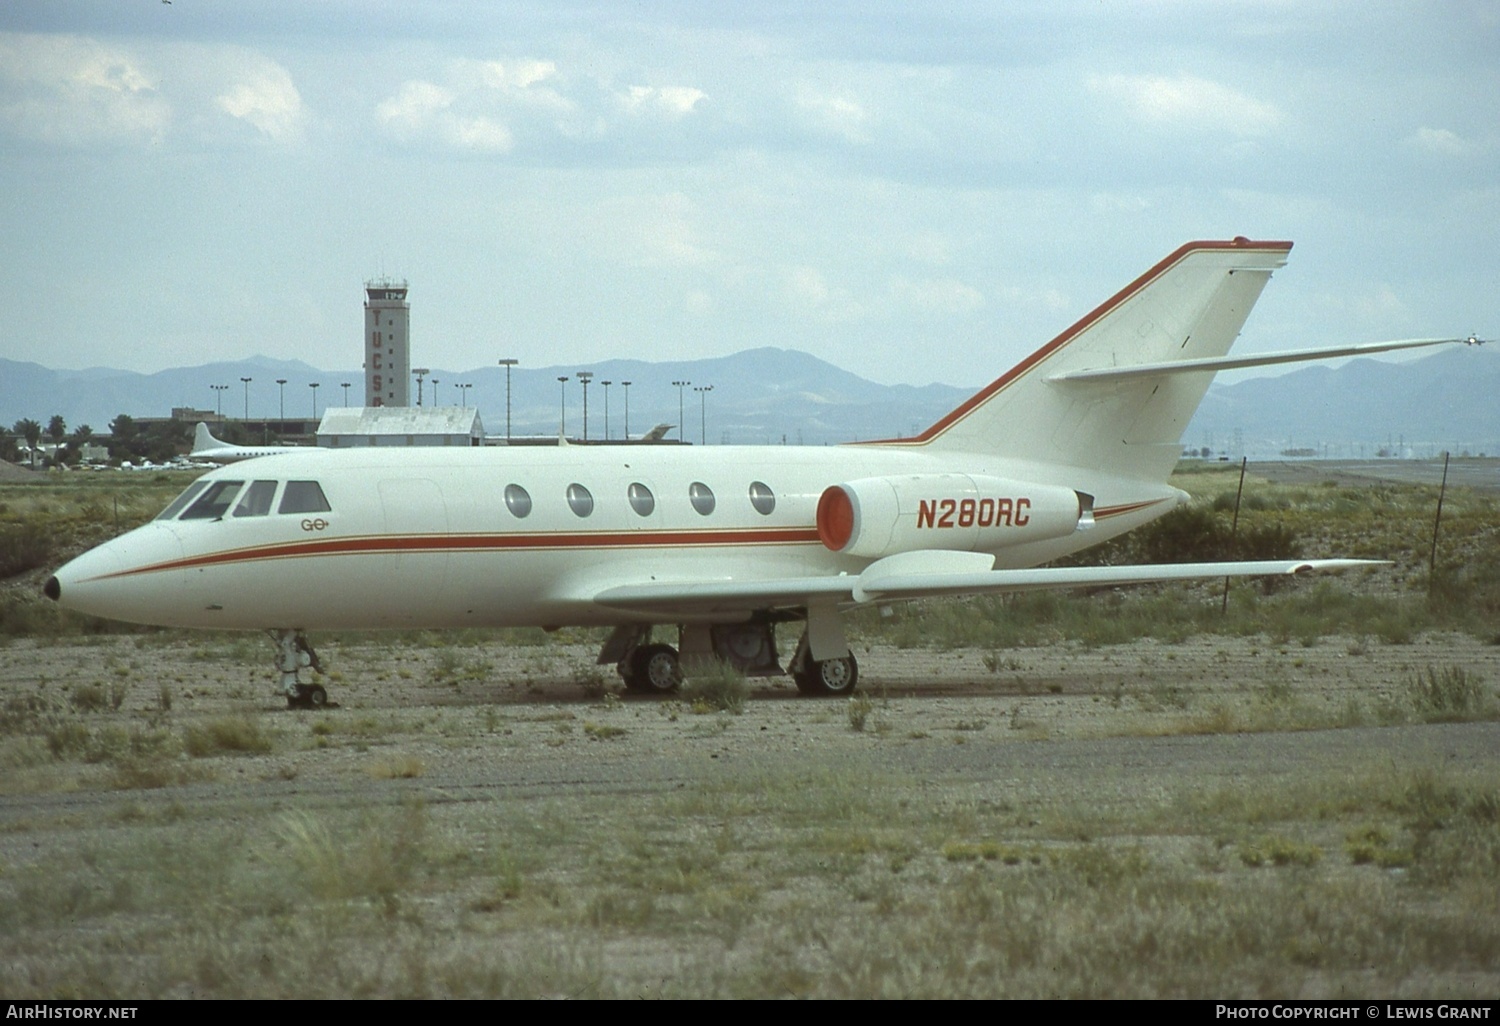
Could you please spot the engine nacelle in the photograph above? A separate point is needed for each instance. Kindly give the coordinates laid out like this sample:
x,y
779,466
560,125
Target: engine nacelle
x,y
880,516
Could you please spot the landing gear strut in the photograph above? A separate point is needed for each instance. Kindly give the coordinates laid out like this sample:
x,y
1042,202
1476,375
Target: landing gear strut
x,y
293,655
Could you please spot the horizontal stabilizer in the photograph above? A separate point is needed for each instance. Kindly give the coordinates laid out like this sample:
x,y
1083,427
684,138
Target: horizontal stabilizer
x,y
1210,365
906,577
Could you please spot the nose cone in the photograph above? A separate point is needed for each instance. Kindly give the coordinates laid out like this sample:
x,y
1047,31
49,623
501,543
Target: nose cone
x,y
113,580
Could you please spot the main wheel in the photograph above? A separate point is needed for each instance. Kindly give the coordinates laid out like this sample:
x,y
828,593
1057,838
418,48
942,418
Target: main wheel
x,y
831,677
654,670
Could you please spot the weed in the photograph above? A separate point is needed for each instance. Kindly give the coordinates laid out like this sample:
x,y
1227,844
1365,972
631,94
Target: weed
x,y
860,708
719,687
1448,694
377,859
227,735
97,697
404,767
1279,851
603,731
1372,845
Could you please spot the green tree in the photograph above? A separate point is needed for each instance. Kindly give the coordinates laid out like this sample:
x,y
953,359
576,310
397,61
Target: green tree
x,y
125,439
31,431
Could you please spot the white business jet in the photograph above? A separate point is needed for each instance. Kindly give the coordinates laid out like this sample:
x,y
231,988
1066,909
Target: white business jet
x,y
1068,449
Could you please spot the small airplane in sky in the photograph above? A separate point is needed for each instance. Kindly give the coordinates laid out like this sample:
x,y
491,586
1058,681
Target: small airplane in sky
x,y
1071,447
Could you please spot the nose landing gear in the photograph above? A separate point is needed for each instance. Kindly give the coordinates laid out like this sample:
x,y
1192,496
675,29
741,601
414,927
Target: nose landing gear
x,y
293,655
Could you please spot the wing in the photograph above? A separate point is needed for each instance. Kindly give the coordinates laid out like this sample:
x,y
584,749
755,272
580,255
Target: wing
x,y
927,574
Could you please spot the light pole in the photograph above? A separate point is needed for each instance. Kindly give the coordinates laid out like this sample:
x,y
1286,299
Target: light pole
x,y
626,385
281,382
345,387
463,392
703,391
585,377
420,373
562,406
314,386
219,399
247,396
508,362
606,385
680,386
437,400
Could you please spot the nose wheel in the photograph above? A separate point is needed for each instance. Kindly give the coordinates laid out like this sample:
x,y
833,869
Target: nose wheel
x,y
308,696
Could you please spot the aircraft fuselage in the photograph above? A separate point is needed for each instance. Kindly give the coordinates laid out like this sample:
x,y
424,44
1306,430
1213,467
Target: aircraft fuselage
x,y
429,538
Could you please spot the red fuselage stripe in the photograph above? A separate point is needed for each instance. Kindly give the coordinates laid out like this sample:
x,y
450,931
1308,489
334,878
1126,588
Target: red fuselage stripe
x,y
367,545
396,544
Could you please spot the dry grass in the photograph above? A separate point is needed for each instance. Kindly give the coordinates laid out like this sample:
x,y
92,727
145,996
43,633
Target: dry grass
x,y
778,885
786,851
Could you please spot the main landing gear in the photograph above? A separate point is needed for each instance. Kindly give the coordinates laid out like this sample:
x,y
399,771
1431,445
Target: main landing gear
x,y
293,655
827,678
652,668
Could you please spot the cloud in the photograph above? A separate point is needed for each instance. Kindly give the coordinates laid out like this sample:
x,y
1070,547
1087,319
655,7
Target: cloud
x,y
833,114
425,109
517,75
938,295
414,104
1186,101
480,105
1440,141
77,91
267,99
672,101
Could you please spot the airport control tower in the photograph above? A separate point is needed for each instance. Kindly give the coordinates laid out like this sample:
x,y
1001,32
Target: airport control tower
x,y
387,344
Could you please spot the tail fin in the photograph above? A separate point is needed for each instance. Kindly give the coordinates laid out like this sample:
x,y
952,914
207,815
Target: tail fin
x,y
203,440
1191,305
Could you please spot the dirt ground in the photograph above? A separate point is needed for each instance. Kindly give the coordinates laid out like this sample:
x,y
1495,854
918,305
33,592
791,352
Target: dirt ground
x,y
487,716
575,841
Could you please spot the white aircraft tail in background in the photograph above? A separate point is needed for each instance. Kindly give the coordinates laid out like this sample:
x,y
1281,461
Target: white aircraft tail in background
x,y
207,447
1068,449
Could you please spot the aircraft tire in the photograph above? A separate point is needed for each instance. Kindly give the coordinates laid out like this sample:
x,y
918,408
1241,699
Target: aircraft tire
x,y
654,670
831,678
308,696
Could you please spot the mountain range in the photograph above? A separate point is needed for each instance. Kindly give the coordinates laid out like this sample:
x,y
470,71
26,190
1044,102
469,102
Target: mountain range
x,y
1446,401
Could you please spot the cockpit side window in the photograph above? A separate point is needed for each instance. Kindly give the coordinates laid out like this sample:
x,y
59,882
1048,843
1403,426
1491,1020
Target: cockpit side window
x,y
182,500
303,497
214,502
256,501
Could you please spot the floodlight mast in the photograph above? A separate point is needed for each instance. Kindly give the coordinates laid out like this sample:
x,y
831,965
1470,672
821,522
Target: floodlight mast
x,y
508,362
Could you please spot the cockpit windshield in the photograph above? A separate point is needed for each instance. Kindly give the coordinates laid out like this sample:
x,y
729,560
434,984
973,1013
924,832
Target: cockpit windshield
x,y
182,500
257,499
303,497
214,502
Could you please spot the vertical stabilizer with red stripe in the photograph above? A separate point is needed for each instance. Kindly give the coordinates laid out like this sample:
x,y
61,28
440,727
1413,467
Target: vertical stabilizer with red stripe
x,y
1191,305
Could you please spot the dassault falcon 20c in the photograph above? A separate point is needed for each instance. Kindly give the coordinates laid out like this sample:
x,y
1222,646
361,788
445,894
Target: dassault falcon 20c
x,y
1071,447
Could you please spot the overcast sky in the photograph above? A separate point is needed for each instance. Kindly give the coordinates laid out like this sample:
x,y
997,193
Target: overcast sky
x,y
917,192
